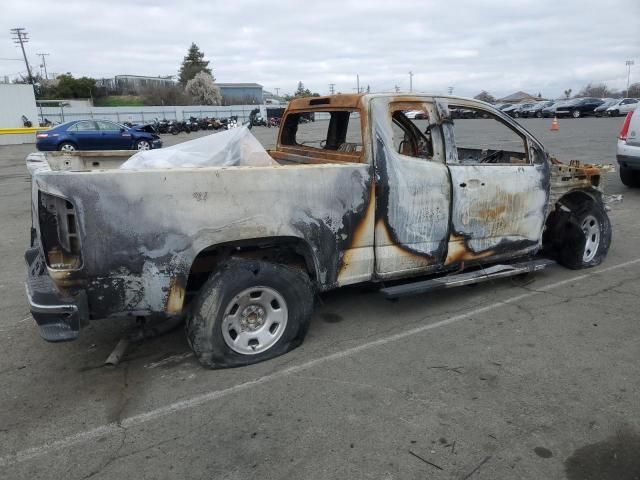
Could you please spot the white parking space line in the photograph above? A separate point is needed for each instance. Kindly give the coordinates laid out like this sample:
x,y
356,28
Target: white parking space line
x,y
157,413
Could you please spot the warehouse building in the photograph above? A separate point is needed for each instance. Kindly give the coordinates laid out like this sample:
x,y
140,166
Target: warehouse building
x,y
241,93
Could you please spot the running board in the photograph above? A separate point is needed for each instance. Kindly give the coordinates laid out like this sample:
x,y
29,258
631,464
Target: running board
x,y
457,280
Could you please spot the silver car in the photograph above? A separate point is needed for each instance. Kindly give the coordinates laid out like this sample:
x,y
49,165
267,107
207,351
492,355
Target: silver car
x,y
622,107
628,151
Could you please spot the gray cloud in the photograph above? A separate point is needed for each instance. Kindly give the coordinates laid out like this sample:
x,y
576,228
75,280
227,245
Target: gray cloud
x,y
500,46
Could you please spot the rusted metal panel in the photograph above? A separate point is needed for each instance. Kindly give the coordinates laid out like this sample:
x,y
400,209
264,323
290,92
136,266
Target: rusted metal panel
x,y
142,229
497,209
413,199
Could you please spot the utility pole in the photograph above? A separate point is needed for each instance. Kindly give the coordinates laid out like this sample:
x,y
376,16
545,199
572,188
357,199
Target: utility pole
x,y
450,90
277,89
44,63
411,81
332,88
357,83
20,37
397,89
628,63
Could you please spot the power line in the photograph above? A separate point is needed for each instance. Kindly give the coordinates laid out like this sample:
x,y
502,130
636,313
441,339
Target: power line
x,y
44,63
20,37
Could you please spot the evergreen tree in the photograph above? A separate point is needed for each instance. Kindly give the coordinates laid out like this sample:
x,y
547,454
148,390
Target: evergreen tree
x,y
192,64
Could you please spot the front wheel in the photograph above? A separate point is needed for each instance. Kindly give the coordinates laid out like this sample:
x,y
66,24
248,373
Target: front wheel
x,y
538,114
587,236
575,114
143,145
249,311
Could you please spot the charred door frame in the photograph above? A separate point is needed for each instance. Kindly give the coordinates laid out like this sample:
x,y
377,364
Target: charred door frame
x,y
412,223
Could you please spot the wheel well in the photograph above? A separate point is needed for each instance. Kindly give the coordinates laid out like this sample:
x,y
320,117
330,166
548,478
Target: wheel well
x,y
290,251
66,141
557,219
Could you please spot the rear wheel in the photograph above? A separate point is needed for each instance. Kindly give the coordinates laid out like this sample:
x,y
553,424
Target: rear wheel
x,y
575,114
630,178
249,311
67,147
539,114
587,236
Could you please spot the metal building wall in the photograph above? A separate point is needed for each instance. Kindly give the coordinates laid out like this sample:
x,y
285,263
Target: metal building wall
x,y
15,101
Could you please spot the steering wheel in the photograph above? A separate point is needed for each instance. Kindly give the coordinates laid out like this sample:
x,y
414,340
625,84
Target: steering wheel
x,y
492,158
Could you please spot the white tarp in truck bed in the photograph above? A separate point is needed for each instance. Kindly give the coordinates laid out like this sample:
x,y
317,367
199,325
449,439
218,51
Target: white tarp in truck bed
x,y
232,147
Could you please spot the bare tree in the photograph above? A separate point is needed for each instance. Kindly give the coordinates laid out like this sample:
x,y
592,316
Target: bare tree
x,y
634,90
567,93
485,97
599,90
202,90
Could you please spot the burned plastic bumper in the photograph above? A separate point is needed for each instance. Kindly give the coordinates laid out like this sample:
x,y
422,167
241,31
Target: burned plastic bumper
x,y
59,318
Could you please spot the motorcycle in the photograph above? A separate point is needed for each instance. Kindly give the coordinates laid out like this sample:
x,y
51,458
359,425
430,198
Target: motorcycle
x,y
273,122
175,127
256,119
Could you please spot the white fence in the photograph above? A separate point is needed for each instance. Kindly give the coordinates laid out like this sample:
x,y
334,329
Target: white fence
x,y
147,114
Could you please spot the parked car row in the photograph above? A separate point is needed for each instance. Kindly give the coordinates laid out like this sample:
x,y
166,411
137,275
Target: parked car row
x,y
575,107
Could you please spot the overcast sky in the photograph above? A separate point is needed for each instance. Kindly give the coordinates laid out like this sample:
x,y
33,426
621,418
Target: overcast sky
x,y
499,46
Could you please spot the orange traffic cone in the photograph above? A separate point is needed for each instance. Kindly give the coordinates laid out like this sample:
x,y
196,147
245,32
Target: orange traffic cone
x,y
554,125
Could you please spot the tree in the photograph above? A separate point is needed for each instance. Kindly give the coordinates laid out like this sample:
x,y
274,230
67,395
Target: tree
x,y
485,97
567,93
599,90
192,64
634,90
167,95
300,92
66,86
202,90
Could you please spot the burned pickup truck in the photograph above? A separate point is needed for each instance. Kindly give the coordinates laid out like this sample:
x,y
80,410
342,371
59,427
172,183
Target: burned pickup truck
x,y
362,194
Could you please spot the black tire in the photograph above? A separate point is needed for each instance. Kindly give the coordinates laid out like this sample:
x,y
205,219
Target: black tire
x,y
516,115
204,325
538,114
67,147
573,248
630,178
575,113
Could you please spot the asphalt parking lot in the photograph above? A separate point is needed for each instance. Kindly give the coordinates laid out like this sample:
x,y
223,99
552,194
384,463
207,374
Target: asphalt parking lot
x,y
531,379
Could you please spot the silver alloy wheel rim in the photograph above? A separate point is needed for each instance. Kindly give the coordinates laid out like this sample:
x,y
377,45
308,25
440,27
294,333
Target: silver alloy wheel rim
x,y
144,145
254,320
591,230
576,113
67,148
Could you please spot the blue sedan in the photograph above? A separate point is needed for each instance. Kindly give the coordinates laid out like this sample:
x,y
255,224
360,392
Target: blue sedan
x,y
95,135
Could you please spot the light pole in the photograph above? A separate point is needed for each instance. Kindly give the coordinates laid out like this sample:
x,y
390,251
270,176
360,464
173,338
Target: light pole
x,y
628,63
410,81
